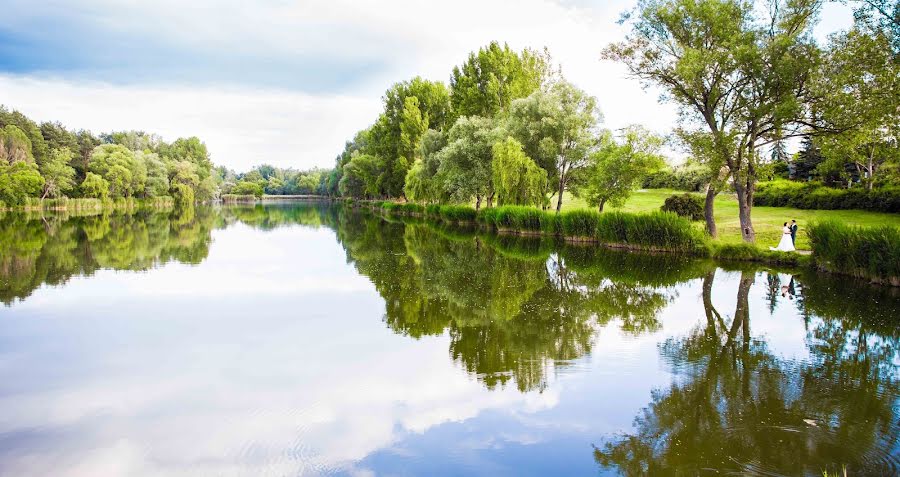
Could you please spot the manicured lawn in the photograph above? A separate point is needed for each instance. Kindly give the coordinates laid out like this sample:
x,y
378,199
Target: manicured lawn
x,y
766,220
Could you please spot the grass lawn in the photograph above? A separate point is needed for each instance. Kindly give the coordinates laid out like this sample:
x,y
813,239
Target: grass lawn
x,y
766,220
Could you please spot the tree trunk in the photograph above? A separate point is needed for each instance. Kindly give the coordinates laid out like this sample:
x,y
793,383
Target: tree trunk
x,y
477,202
562,185
871,169
602,203
745,204
709,211
711,312
490,201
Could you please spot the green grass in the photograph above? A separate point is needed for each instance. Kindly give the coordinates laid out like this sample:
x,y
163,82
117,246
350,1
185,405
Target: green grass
x,y
868,252
766,220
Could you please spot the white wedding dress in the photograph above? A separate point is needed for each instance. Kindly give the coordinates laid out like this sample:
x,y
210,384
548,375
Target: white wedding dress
x,y
786,244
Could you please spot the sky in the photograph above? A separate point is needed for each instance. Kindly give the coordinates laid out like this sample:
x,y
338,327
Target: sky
x,y
287,82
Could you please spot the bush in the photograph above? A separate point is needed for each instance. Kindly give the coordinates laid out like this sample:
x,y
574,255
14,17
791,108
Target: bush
x,y
873,252
813,195
433,210
684,205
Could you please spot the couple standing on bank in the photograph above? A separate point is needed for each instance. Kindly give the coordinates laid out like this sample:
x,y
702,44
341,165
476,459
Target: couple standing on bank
x,y
788,238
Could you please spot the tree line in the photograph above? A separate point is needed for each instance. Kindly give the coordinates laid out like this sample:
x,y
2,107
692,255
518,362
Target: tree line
x,y
508,130
47,160
746,76
267,179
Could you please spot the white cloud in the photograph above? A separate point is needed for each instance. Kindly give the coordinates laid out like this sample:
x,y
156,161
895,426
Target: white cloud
x,y
326,45
240,126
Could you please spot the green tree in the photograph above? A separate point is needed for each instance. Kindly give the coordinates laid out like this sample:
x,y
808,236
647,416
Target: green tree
x,y
517,179
743,78
157,184
859,81
465,170
14,145
410,108
18,181
117,164
616,169
558,130
86,144
245,187
58,137
488,82
59,176
362,176
94,186
39,149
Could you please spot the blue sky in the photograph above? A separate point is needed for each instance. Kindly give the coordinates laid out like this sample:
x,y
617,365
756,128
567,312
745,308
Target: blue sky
x,y
286,82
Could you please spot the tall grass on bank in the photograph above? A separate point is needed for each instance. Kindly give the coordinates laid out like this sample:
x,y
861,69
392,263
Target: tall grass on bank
x,y
872,253
651,231
89,204
238,198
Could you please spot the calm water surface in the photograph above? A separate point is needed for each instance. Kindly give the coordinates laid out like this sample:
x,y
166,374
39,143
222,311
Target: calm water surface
x,y
312,340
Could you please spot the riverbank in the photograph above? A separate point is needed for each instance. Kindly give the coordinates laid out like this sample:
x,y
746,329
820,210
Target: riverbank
x,y
874,254
85,204
767,221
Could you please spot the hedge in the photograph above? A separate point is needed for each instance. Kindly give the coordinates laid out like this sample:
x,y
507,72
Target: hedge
x,y
811,195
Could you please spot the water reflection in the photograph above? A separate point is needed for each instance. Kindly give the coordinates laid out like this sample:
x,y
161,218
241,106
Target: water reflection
x,y
736,405
748,371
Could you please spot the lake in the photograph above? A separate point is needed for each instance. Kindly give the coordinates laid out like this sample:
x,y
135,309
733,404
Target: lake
x,y
315,339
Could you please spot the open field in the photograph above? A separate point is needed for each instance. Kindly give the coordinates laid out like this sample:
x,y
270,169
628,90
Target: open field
x,y
766,220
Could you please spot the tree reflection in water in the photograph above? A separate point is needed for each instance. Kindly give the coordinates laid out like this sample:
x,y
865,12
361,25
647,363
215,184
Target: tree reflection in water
x,y
737,407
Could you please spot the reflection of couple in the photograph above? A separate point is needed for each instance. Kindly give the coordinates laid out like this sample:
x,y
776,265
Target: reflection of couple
x,y
788,290
788,238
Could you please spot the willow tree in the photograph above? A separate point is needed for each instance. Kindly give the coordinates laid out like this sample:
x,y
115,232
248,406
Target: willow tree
x,y
740,78
558,130
465,170
517,179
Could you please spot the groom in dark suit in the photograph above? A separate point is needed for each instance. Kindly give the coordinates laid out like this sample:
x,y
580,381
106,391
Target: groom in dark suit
x,y
794,228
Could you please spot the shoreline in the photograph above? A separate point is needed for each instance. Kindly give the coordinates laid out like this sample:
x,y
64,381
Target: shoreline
x,y
709,249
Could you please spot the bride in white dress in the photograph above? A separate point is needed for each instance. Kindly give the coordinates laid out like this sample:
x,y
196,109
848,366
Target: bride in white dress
x,y
786,244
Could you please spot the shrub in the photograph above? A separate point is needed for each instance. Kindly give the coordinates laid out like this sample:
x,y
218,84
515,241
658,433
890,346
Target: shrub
x,y
579,223
684,205
869,252
813,195
457,213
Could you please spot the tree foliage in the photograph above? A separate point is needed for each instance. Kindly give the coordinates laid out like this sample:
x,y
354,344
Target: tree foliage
x,y
516,178
617,168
